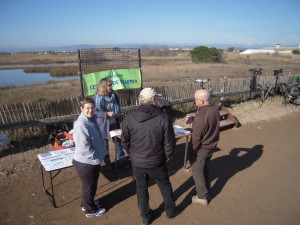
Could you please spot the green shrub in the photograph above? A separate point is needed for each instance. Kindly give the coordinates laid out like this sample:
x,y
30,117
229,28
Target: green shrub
x,y
296,52
206,55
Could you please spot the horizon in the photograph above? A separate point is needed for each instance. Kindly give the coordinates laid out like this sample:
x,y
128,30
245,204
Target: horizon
x,y
72,48
30,24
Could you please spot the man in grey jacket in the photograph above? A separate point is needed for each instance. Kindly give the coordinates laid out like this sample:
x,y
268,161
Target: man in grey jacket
x,y
149,139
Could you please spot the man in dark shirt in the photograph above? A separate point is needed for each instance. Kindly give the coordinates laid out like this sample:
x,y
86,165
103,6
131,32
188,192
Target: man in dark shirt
x,y
205,136
149,139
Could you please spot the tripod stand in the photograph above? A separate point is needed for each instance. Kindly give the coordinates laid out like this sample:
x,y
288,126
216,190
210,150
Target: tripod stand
x,y
253,83
274,82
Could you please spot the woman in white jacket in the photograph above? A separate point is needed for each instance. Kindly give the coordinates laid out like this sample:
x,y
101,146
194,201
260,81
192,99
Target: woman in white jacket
x,y
90,151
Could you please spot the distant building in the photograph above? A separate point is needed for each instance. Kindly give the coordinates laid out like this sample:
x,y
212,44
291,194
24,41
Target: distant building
x,y
269,50
256,51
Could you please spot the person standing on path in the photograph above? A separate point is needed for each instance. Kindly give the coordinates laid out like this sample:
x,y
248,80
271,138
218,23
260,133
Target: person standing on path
x,y
89,152
205,136
109,118
148,137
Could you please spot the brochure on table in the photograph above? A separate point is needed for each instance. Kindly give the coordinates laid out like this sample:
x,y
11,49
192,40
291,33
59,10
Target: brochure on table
x,y
58,159
179,131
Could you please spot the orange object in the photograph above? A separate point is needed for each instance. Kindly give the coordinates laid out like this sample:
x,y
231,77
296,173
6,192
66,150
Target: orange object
x,y
60,138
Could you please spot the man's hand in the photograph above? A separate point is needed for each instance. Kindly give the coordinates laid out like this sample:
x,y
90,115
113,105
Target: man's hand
x,y
189,119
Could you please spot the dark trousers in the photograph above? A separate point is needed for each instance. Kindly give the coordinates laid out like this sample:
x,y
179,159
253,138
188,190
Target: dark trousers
x,y
200,169
89,175
161,177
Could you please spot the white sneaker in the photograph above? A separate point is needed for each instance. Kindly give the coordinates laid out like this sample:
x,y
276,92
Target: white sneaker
x,y
201,201
99,212
97,203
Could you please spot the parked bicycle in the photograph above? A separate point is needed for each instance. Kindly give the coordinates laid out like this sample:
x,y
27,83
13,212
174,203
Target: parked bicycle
x,y
288,98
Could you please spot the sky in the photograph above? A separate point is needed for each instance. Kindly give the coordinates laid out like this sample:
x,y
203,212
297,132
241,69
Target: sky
x,y
53,23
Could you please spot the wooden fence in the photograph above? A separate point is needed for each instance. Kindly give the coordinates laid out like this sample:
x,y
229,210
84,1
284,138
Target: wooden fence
x,y
22,115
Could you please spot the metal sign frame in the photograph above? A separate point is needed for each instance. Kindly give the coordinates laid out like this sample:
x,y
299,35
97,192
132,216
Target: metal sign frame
x,y
100,59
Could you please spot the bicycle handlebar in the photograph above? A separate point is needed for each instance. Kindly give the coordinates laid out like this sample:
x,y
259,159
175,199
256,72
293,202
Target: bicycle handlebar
x,y
201,81
276,72
257,71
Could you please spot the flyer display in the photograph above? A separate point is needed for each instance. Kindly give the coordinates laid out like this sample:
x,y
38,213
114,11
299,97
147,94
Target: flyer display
x,y
58,159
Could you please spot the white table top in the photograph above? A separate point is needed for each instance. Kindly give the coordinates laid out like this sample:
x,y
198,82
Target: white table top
x,y
58,159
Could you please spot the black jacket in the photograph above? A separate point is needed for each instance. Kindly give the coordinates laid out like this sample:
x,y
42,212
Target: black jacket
x,y
148,136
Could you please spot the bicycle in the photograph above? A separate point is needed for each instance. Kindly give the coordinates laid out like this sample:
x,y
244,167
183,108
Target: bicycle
x,y
291,99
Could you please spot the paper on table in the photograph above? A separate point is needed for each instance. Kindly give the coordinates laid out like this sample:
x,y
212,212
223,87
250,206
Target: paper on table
x,y
58,159
179,131
115,133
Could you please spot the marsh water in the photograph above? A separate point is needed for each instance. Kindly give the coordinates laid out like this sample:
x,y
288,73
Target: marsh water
x,y
18,77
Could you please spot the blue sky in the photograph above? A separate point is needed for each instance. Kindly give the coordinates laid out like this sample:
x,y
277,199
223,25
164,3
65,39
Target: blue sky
x,y
37,23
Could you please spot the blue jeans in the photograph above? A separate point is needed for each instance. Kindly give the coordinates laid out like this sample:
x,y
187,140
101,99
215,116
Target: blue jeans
x,y
118,148
200,169
161,177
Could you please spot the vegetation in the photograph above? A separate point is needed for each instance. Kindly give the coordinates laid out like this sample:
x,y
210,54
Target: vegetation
x,y
59,71
160,68
296,52
203,54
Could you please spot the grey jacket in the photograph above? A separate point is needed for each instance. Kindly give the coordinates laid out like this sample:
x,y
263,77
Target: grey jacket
x,y
89,146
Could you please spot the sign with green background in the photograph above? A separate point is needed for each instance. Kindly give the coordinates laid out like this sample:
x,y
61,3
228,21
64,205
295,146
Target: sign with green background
x,y
121,79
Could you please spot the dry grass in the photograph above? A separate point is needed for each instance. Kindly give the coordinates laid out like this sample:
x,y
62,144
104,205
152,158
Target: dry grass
x,y
35,58
159,69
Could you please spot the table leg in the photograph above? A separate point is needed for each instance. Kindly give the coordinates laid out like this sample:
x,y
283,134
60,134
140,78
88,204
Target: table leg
x,y
50,195
186,151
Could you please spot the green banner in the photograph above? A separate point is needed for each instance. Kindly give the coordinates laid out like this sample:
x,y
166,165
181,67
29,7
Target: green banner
x,y
121,79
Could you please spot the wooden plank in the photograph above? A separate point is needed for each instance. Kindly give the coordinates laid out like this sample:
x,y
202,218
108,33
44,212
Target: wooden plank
x,y
25,112
226,123
2,115
38,122
222,113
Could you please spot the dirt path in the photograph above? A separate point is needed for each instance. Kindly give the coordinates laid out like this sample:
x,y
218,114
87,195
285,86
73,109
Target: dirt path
x,y
255,180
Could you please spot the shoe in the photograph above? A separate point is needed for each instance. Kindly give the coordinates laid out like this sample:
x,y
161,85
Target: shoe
x,y
97,203
146,221
171,215
99,212
201,201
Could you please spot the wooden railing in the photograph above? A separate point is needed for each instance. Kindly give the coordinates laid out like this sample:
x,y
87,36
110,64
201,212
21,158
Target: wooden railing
x,y
15,116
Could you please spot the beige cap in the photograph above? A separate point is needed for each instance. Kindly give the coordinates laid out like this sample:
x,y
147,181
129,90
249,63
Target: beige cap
x,y
147,93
